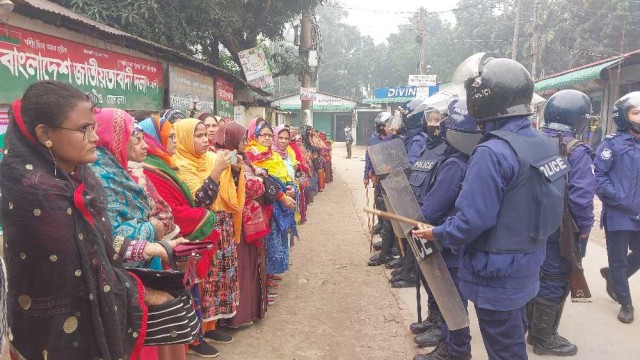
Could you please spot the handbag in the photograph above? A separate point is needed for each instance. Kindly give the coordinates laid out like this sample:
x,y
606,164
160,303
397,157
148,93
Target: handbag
x,y
176,321
192,249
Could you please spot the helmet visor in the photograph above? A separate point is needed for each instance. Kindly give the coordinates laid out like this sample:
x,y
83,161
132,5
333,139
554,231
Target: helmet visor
x,y
462,141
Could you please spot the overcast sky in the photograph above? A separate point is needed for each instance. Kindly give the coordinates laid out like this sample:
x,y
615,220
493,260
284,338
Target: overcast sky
x,y
379,22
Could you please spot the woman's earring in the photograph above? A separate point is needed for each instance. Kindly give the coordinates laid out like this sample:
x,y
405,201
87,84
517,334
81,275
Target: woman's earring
x,y
49,144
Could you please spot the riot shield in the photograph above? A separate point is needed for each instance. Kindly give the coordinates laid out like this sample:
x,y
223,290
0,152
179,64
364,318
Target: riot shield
x,y
427,253
388,156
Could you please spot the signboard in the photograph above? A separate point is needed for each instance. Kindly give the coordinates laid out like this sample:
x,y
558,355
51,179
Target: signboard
x,y
308,94
224,98
402,91
424,92
422,80
256,68
110,78
188,89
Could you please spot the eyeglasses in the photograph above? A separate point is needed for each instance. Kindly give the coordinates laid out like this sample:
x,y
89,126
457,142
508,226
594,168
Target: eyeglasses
x,y
266,136
87,130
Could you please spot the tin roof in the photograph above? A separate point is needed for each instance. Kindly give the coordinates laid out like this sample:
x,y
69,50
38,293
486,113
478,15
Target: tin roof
x,y
567,79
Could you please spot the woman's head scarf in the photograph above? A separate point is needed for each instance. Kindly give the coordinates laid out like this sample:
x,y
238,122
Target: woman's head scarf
x,y
115,128
173,115
58,244
229,136
156,135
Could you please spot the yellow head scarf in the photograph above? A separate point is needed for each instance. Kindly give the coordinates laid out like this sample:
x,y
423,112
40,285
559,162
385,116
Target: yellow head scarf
x,y
194,170
269,160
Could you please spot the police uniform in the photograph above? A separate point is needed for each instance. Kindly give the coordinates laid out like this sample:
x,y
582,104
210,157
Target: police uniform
x,y
617,171
546,309
506,210
437,204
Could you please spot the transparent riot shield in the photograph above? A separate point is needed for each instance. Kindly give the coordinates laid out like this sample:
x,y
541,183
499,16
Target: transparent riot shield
x,y
388,156
430,261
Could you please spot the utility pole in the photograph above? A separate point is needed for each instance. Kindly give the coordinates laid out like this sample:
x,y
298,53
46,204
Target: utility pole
x,y
516,31
534,40
422,29
305,78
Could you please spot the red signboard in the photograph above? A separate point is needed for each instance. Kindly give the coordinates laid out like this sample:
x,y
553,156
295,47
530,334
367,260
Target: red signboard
x,y
224,98
112,79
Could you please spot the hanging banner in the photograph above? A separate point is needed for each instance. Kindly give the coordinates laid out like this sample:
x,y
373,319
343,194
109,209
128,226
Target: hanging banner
x,y
422,80
188,89
308,94
111,79
224,98
256,68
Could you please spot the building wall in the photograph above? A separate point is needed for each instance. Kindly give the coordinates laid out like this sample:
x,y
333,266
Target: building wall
x,y
323,122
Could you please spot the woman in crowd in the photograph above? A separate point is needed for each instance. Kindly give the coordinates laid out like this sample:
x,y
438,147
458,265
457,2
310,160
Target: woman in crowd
x,y
302,174
212,123
255,226
70,297
172,115
325,151
260,153
135,208
224,194
282,148
196,223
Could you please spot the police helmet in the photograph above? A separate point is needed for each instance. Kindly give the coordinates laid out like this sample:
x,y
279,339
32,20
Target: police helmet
x,y
495,87
621,109
462,131
383,118
413,113
567,110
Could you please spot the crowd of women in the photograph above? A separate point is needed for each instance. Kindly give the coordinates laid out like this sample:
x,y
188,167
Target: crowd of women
x,y
88,193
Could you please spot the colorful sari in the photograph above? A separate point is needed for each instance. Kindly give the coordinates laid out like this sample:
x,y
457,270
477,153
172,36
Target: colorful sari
x,y
220,297
128,204
70,297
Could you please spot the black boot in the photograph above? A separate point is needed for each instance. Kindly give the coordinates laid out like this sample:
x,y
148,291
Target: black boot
x,y
395,273
394,264
377,229
379,259
441,352
605,274
431,337
433,320
544,329
404,281
626,314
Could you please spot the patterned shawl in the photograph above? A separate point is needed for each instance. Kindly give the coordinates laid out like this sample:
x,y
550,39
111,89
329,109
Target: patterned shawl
x,y
156,135
70,297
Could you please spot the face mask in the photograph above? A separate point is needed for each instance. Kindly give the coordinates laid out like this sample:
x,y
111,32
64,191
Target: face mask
x,y
634,127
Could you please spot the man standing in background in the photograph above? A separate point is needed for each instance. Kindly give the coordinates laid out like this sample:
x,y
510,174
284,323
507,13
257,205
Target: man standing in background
x,y
349,139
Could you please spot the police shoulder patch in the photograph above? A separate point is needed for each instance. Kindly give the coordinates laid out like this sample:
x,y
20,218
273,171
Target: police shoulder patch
x,y
611,136
606,154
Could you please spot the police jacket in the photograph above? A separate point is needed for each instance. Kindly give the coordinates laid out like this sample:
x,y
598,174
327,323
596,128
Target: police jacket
x,y
617,171
581,180
415,142
493,280
423,170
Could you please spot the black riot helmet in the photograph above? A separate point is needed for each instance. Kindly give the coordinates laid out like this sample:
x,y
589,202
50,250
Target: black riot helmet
x,y
496,87
621,110
567,110
413,113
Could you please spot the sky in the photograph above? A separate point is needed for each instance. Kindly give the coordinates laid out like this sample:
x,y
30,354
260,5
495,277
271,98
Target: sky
x,y
376,18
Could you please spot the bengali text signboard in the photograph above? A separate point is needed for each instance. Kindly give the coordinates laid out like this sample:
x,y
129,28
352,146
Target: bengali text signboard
x,y
224,98
188,89
111,79
256,68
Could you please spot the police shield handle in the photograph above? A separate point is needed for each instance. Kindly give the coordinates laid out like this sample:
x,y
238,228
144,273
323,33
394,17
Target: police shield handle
x,y
392,216
570,250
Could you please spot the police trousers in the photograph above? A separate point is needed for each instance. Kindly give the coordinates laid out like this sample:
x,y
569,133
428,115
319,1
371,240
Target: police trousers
x,y
555,272
623,251
503,333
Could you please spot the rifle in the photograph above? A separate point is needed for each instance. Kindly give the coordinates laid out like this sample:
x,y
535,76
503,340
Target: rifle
x,y
570,246
570,250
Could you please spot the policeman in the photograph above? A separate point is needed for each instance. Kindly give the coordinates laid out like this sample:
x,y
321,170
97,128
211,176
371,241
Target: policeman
x,y
462,135
381,135
507,208
411,132
566,114
617,164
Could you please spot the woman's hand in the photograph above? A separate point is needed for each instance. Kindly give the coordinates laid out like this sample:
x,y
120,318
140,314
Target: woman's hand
x,y
238,165
156,297
155,249
290,191
424,232
222,162
159,226
288,202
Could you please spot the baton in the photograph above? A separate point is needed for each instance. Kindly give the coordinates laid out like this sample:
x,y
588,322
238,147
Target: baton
x,y
370,220
392,216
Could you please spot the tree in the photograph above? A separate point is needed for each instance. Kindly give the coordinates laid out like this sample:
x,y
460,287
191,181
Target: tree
x,y
197,27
